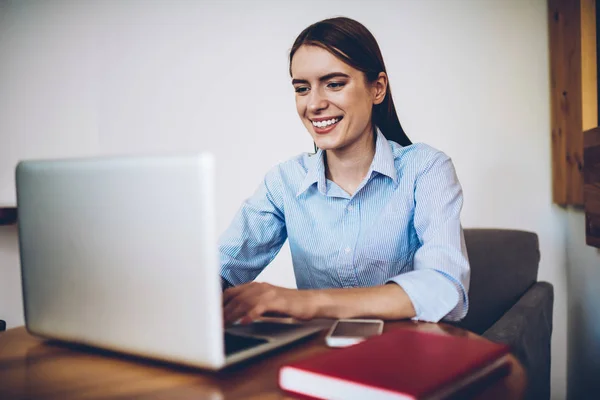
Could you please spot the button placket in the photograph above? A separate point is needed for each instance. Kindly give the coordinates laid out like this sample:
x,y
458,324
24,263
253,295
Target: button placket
x,y
352,225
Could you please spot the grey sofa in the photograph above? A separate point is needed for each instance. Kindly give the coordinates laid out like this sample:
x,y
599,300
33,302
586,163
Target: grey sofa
x,y
506,302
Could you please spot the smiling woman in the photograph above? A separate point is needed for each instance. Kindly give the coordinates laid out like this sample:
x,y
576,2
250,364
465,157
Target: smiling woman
x,y
373,221
363,56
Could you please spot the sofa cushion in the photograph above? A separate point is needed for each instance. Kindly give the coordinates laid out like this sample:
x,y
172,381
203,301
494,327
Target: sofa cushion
x,y
504,264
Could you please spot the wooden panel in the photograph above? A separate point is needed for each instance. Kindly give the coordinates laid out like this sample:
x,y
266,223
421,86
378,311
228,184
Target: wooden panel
x,y
592,186
558,125
566,101
589,78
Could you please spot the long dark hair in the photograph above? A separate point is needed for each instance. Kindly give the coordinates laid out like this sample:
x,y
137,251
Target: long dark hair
x,y
351,42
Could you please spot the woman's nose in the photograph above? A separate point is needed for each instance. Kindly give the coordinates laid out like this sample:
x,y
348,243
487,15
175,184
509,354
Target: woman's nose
x,y
316,102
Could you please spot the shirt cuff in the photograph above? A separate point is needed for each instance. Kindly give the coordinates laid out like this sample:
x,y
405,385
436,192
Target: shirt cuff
x,y
433,296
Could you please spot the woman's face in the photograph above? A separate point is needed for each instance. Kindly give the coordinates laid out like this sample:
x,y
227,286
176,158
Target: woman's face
x,y
333,100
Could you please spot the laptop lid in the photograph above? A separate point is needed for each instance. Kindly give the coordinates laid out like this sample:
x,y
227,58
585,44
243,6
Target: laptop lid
x,y
121,253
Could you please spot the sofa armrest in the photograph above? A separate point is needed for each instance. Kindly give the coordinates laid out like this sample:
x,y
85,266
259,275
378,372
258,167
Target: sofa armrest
x,y
527,328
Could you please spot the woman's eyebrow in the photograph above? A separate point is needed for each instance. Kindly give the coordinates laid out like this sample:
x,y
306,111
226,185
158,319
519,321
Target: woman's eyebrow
x,y
323,78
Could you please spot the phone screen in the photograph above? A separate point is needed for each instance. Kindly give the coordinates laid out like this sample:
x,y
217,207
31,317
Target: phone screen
x,y
356,329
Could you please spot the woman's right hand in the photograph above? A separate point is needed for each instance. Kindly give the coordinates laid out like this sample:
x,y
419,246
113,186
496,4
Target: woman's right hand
x,y
256,299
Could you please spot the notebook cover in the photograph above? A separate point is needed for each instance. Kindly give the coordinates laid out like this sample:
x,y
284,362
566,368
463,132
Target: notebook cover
x,y
407,361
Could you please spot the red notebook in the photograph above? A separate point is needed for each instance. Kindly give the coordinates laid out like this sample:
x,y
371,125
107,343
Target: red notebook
x,y
400,364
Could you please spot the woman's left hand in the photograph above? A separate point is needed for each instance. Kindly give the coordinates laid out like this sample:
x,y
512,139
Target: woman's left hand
x,y
253,300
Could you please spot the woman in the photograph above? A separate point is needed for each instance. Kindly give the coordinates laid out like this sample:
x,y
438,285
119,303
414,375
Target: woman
x,y
373,221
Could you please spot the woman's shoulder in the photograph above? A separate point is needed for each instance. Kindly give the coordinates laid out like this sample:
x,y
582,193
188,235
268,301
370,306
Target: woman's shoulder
x,y
419,154
300,163
294,169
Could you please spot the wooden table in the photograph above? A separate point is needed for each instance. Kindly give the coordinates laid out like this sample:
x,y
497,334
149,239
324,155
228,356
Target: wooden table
x,y
33,369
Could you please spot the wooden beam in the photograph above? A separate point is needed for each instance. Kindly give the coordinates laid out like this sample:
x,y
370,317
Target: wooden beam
x,y
566,100
589,68
557,82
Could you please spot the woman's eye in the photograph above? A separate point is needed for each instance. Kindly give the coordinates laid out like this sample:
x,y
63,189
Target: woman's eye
x,y
335,85
301,89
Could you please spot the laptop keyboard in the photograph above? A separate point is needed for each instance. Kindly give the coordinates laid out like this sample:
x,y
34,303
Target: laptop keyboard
x,y
267,328
235,343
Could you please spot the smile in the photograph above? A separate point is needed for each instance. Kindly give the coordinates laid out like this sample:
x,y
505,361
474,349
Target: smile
x,y
326,123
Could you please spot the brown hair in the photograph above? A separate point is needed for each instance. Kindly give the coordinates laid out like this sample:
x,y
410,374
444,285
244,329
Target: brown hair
x,y
351,42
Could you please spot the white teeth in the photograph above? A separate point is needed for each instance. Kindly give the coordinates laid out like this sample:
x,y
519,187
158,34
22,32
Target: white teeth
x,y
322,124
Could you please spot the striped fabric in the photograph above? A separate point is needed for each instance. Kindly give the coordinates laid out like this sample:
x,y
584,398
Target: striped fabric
x,y
401,225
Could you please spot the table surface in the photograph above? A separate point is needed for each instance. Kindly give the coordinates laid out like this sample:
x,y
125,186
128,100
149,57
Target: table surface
x,y
31,368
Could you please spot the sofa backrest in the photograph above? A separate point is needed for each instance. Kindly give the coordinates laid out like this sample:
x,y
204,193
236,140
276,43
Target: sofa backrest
x,y
504,264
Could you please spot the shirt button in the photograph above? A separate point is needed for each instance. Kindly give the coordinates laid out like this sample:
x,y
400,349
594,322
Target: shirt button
x,y
347,249
350,208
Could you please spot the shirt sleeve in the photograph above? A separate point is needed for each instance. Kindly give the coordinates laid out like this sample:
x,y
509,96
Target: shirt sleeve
x,y
439,283
255,235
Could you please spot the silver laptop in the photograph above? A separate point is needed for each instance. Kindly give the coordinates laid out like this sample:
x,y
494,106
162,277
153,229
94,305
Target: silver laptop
x,y
121,253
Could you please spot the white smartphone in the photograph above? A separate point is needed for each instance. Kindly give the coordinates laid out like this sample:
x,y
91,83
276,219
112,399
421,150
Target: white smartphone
x,y
346,332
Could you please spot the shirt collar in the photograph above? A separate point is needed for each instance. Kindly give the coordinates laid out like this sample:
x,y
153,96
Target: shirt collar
x,y
315,173
383,163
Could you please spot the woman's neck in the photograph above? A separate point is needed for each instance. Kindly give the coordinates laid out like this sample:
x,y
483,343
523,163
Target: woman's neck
x,y
347,167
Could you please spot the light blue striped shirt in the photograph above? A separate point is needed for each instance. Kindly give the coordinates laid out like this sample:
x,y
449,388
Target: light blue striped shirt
x,y
401,225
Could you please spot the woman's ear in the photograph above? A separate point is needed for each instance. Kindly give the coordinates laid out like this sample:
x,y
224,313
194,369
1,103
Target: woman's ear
x,y
380,88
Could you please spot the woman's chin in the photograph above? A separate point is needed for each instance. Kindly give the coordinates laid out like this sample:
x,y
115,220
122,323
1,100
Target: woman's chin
x,y
325,144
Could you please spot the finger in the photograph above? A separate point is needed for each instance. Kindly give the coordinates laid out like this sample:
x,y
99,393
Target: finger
x,y
260,299
246,320
266,306
239,312
241,304
232,292
256,312
260,309
241,296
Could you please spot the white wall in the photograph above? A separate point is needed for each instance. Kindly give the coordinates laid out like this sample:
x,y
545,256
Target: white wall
x,y
469,77
583,280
